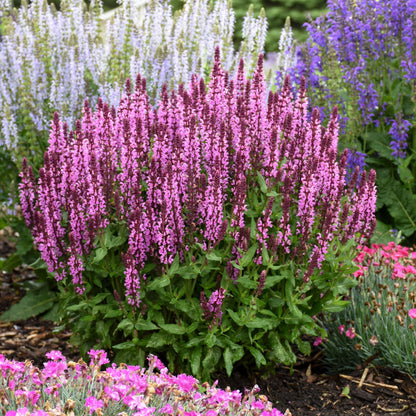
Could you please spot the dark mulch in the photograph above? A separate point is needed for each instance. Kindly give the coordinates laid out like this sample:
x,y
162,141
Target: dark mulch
x,y
306,391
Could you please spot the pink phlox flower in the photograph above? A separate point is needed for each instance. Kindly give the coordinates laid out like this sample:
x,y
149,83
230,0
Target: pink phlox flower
x,y
39,413
113,395
360,271
350,333
399,271
167,409
413,255
54,369
98,357
191,413
410,269
412,313
341,329
211,413
258,404
360,258
185,382
23,411
92,404
155,362
317,341
135,401
145,412
273,412
55,355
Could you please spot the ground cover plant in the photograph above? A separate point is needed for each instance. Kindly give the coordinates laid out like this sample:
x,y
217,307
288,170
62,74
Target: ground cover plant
x,y
361,57
378,325
52,60
84,389
203,230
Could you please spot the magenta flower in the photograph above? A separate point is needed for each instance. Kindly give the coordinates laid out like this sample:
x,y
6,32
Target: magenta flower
x,y
55,355
350,333
412,313
341,329
92,404
317,341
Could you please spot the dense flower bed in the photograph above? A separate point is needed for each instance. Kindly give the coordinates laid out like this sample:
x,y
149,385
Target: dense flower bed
x,y
71,388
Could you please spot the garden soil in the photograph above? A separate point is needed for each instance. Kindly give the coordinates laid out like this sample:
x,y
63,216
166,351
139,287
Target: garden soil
x,y
306,390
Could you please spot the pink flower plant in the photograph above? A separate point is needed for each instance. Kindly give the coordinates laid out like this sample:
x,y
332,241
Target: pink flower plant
x,y
412,313
95,391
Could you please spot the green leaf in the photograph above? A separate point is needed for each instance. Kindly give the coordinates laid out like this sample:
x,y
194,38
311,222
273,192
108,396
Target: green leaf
x,y
196,359
235,317
126,325
400,203
228,361
213,256
158,340
100,253
124,345
32,304
146,326
272,280
158,283
261,323
247,282
174,267
258,356
211,359
304,346
113,313
262,183
248,256
10,263
337,305
173,329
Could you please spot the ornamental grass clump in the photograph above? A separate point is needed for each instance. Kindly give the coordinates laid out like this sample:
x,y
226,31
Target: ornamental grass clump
x,y
378,325
66,387
209,230
361,56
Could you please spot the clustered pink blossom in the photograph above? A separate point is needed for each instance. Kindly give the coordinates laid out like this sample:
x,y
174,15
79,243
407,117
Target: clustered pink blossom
x,y
180,173
27,390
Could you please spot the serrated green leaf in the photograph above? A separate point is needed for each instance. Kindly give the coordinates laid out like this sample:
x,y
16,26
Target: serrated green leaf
x,y
32,304
158,339
126,325
146,326
158,283
247,282
248,256
228,361
125,345
235,317
174,267
100,253
213,256
113,313
272,280
173,329
258,356
261,181
211,359
304,346
196,359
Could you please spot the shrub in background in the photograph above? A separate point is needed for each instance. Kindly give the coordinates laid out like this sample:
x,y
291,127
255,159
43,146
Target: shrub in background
x,y
361,57
378,325
276,12
209,230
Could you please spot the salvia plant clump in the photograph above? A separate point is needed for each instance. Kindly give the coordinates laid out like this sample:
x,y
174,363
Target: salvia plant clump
x,y
210,229
378,326
361,57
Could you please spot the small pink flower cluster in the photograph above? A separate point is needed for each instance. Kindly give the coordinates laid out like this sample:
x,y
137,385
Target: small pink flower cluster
x,y
399,259
350,333
28,391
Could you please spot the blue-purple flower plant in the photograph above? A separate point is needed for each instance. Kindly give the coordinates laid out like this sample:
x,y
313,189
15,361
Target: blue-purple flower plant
x,y
209,229
361,57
